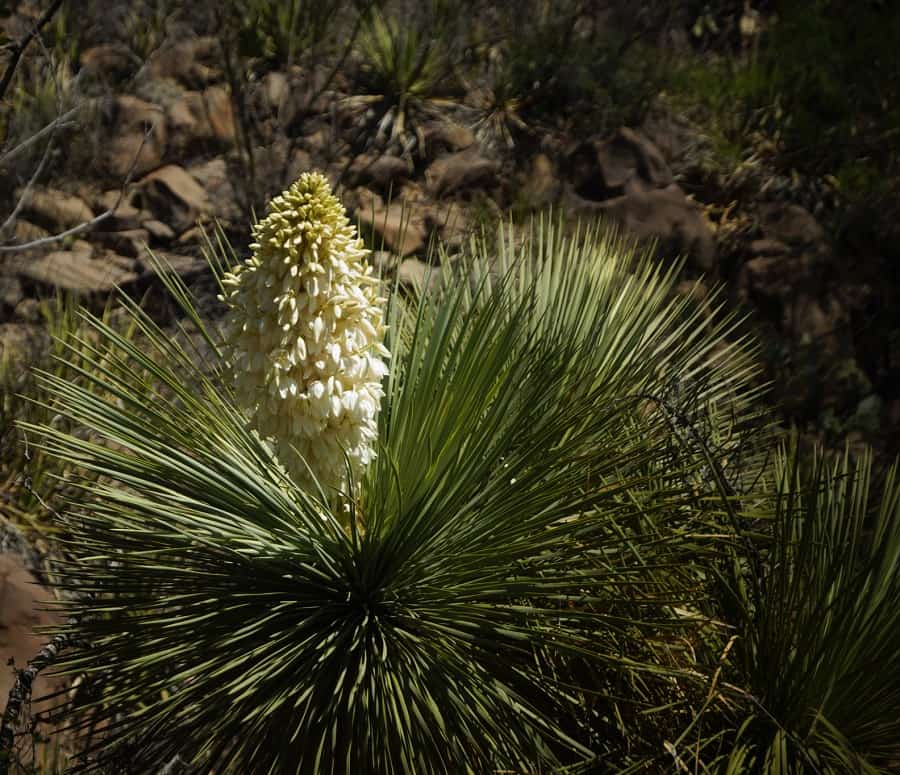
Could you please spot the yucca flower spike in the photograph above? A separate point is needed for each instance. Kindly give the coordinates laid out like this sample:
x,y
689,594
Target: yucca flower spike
x,y
304,336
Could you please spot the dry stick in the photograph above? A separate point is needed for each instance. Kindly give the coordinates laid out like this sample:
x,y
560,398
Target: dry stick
x,y
87,225
238,100
61,122
21,693
677,421
47,148
28,186
19,48
316,93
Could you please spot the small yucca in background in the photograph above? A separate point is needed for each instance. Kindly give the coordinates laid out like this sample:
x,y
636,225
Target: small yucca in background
x,y
521,510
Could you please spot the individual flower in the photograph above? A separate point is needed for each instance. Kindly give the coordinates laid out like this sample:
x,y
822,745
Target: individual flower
x,y
304,335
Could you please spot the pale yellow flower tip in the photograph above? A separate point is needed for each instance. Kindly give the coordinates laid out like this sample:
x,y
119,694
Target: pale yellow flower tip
x,y
304,335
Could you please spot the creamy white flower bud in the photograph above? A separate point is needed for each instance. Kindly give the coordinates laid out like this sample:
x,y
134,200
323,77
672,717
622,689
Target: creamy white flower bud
x,y
304,336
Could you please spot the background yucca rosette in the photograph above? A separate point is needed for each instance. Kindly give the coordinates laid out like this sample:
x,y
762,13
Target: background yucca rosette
x,y
304,335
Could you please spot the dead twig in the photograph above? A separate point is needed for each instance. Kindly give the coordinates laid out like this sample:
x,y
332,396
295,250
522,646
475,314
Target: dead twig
x,y
19,47
21,693
61,122
87,225
47,148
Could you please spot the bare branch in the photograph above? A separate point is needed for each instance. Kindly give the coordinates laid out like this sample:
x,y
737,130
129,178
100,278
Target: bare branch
x,y
19,48
61,122
87,225
21,693
47,148
28,186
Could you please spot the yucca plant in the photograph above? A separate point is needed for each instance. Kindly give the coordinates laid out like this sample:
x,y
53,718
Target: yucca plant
x,y
817,660
524,507
405,67
290,29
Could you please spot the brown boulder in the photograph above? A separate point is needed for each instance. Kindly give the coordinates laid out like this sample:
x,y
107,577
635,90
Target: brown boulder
x,y
791,224
200,118
22,610
112,61
158,230
458,171
74,271
600,169
446,136
765,279
384,172
128,242
274,90
541,185
179,264
190,61
300,162
220,113
214,178
173,196
768,247
667,216
124,214
186,122
55,210
11,294
418,275
813,320
132,120
25,231
394,226
19,342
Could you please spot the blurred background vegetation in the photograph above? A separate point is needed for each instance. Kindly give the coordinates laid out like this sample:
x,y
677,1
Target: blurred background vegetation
x,y
772,102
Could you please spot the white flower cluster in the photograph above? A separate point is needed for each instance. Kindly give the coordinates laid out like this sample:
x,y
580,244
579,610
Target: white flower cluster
x,y
304,335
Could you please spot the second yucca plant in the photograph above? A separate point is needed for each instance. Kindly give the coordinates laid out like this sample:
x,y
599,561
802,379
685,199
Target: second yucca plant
x,y
274,579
